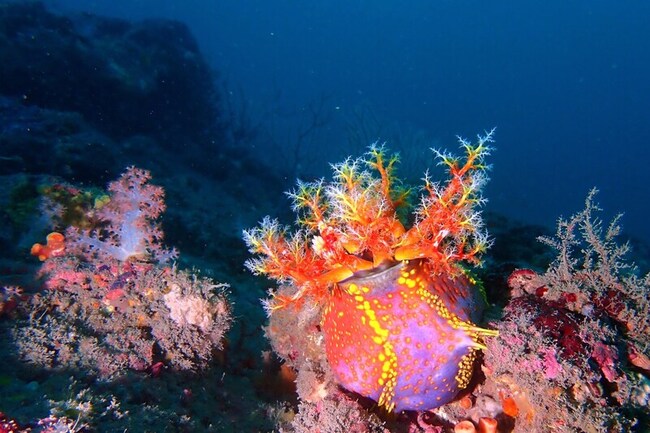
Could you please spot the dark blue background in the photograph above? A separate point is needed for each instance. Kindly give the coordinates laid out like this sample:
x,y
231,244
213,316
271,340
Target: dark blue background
x,y
565,82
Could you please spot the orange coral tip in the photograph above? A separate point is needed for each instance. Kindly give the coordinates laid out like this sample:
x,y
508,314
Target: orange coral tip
x,y
36,249
637,358
510,407
465,427
55,237
55,247
465,402
56,244
487,425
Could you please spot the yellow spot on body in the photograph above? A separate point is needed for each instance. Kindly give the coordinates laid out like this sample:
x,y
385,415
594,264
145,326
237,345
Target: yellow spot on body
x,y
379,336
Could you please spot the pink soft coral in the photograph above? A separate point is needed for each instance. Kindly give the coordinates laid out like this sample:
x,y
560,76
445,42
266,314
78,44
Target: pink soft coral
x,y
129,228
112,303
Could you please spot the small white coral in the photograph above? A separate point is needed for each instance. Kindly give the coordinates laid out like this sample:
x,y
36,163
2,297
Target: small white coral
x,y
188,310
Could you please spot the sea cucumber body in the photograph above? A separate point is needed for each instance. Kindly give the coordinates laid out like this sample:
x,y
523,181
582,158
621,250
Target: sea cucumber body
x,y
403,337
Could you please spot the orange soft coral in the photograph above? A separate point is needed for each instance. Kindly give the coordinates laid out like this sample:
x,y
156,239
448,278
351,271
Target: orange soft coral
x,y
54,247
351,224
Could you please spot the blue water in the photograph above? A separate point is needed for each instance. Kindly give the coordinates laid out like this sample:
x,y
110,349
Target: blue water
x,y
565,83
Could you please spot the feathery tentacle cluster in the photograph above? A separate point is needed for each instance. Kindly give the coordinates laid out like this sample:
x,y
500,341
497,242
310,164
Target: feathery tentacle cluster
x,y
351,224
397,308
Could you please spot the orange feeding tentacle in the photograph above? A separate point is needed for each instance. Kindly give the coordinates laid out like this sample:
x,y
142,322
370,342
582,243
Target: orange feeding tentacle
x,y
397,308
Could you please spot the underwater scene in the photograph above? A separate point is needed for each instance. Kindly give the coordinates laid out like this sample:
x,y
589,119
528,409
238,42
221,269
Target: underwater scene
x,y
324,216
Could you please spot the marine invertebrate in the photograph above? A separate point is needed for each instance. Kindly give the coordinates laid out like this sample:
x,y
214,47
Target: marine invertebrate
x,y
398,306
113,303
54,247
464,427
487,425
572,339
129,216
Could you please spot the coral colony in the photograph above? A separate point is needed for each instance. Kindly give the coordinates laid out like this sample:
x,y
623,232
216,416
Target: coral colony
x,y
378,317
375,317
573,343
113,301
397,304
377,321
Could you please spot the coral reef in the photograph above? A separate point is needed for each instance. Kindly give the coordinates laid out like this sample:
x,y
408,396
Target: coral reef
x,y
573,342
374,317
112,300
571,353
391,310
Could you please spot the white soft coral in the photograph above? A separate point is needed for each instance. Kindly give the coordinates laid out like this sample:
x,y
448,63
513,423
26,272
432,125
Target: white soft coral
x,y
130,228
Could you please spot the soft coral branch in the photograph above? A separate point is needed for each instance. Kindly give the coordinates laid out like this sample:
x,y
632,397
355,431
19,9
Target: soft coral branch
x,y
591,266
351,224
129,221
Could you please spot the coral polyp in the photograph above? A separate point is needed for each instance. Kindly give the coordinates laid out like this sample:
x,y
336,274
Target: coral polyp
x,y
398,306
